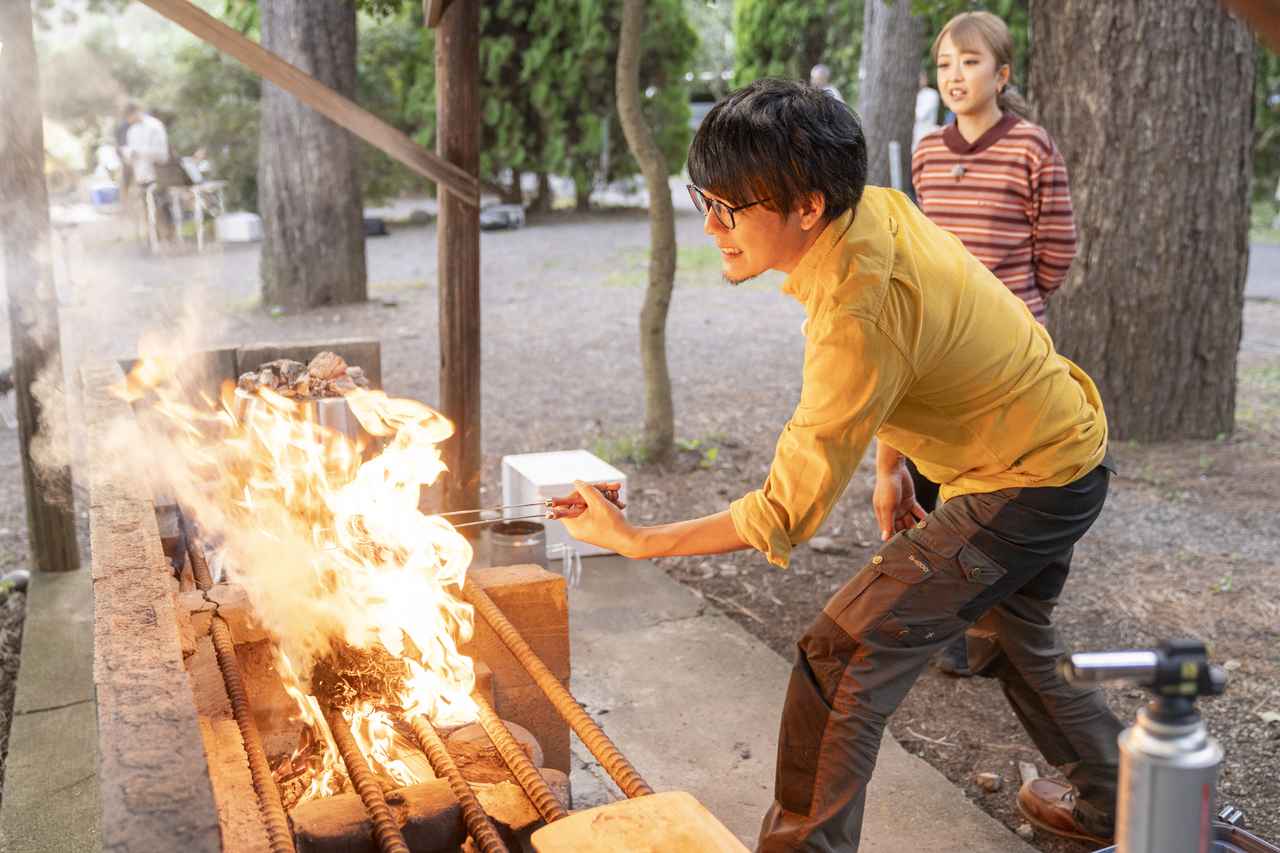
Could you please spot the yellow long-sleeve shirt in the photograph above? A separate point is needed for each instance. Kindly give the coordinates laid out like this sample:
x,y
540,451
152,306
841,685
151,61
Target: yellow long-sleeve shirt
x,y
909,338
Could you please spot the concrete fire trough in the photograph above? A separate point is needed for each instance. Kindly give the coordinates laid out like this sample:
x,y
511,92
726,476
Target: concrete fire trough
x,y
173,768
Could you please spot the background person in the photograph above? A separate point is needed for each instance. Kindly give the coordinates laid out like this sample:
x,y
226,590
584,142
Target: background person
x,y
927,102
146,144
820,78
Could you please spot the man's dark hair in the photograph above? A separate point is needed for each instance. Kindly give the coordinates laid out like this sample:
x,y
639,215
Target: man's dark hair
x,y
781,140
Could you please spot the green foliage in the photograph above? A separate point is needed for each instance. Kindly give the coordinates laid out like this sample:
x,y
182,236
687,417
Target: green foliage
x,y
712,20
785,38
389,52
621,450
547,82
708,450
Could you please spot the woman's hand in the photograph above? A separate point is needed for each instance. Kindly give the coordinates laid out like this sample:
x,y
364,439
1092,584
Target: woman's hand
x,y
601,523
894,500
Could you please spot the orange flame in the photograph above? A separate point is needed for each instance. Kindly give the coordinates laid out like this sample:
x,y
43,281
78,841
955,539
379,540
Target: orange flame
x,y
329,547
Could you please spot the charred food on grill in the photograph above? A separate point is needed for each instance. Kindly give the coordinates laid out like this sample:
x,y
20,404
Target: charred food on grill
x,y
328,375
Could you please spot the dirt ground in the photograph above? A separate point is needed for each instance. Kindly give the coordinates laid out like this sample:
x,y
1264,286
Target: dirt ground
x,y
1186,544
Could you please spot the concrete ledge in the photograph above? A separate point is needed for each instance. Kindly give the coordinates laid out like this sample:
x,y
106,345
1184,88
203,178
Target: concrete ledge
x,y
51,785
153,776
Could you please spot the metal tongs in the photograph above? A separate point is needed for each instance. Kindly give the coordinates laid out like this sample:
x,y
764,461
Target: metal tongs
x,y
551,508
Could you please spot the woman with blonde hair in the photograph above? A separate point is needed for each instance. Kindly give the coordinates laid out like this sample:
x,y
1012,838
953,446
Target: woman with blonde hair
x,y
992,177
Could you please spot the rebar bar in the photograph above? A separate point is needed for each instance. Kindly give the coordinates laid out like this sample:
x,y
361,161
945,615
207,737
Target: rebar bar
x,y
195,551
273,816
385,830
613,761
539,793
264,785
479,827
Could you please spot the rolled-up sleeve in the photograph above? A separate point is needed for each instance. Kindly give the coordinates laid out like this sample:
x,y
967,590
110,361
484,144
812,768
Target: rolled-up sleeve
x,y
854,377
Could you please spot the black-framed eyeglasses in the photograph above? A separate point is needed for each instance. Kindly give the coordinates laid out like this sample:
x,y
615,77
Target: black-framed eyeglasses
x,y
723,212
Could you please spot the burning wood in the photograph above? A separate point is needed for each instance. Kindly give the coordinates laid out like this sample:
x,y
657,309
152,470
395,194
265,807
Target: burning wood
x,y
328,375
350,675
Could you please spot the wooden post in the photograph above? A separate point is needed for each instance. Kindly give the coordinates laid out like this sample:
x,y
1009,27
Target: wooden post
x,y
28,279
458,247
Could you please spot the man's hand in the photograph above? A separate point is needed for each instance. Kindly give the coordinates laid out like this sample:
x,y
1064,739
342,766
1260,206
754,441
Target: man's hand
x,y
894,500
601,523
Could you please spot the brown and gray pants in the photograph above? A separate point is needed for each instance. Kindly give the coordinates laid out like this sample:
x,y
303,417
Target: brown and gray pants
x,y
1002,556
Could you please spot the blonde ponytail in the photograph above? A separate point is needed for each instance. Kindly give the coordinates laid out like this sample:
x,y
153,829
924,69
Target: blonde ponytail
x,y
1010,100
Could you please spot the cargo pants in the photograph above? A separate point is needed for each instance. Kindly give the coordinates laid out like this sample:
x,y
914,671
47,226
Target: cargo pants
x,y
1002,556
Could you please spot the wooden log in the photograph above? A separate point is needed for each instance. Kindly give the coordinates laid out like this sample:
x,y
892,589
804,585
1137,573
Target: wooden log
x,y
33,306
458,249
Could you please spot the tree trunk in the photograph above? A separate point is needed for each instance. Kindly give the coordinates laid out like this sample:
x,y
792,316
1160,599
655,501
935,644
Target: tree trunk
x,y
1155,121
543,198
312,210
892,42
33,308
582,195
659,418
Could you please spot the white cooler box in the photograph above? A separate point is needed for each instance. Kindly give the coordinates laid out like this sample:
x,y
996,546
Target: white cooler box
x,y
529,477
242,227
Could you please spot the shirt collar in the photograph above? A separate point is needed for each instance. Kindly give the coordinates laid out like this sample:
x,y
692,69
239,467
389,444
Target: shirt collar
x,y
854,245
959,145
802,280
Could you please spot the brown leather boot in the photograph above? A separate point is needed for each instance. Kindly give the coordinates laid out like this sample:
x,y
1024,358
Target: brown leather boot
x,y
1050,805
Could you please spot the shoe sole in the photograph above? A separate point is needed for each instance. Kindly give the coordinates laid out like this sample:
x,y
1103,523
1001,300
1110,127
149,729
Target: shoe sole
x,y
1061,833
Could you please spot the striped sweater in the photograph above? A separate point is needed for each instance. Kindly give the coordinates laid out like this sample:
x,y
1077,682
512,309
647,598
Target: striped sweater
x,y
1006,197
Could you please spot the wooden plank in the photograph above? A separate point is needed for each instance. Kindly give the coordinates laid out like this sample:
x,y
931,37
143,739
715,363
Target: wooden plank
x,y
458,250
155,788
462,185
358,352
27,272
672,820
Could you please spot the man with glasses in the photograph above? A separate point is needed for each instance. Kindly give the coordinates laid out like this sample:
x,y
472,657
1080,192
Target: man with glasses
x,y
909,340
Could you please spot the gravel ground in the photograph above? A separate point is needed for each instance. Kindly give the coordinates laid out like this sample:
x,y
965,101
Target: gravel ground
x,y
1185,546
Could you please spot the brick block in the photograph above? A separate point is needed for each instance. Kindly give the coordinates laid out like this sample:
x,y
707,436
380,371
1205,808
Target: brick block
x,y
535,601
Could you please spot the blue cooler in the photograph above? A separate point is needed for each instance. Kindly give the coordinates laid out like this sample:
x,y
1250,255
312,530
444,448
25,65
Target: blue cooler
x,y
105,194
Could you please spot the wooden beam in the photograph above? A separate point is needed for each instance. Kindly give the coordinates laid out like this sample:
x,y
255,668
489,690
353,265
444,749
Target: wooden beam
x,y
458,248
346,113
1263,16
26,271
